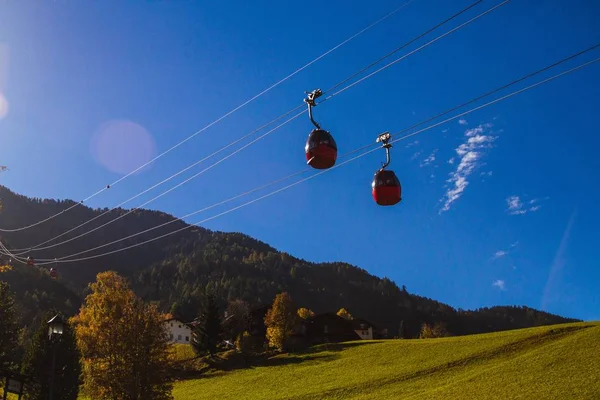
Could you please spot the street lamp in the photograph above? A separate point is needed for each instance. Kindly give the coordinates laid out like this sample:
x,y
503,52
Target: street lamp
x,y
55,326
55,329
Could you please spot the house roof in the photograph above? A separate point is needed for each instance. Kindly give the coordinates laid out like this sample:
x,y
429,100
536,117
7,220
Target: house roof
x,y
357,322
188,324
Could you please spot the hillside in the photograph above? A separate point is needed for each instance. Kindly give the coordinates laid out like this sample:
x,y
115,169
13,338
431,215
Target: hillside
x,y
557,362
178,270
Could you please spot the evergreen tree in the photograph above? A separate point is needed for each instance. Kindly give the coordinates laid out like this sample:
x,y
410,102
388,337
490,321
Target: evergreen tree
x,y
38,362
207,332
401,331
9,328
237,319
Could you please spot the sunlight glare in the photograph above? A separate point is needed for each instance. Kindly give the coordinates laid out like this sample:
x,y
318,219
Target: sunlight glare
x,y
3,106
122,146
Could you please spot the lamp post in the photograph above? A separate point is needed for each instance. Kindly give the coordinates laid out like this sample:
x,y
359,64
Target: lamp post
x,y
55,329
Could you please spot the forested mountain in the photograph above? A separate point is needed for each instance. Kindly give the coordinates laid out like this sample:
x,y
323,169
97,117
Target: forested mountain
x,y
178,270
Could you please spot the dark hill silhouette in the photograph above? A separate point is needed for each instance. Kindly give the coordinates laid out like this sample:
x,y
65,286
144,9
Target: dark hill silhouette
x,y
178,270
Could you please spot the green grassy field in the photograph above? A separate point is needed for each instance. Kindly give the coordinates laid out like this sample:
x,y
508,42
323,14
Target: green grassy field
x,y
554,362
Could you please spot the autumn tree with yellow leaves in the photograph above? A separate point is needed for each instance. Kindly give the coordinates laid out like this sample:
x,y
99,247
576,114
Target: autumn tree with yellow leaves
x,y
305,313
280,321
124,346
342,312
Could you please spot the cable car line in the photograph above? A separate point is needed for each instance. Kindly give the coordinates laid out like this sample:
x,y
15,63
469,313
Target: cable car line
x,y
37,247
171,189
401,47
321,137
414,51
373,24
473,100
321,148
415,125
63,259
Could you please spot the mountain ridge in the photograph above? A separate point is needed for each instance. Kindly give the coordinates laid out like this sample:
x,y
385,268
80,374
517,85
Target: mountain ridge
x,y
177,271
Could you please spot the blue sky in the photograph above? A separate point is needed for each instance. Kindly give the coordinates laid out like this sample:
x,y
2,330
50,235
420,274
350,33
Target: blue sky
x,y
521,228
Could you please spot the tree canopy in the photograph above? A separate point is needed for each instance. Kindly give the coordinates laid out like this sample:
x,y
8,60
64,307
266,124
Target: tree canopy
x,y
342,312
123,342
207,332
280,321
9,328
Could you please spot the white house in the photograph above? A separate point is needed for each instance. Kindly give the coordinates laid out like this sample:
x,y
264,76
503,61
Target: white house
x,y
363,329
179,332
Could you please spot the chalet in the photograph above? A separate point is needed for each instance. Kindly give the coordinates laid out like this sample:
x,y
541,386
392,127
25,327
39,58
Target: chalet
x,y
363,328
179,332
328,328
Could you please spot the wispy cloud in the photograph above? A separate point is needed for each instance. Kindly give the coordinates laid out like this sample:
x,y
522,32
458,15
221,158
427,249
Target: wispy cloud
x,y
445,130
505,252
470,153
488,173
477,130
500,253
451,161
417,154
430,158
462,121
500,284
416,142
517,207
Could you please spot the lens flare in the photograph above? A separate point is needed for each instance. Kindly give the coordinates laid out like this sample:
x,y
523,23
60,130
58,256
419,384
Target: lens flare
x,y
122,146
3,106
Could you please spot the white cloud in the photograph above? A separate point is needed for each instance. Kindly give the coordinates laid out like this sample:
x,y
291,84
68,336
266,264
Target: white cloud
x,y
462,121
488,173
500,284
445,130
500,253
417,154
430,158
515,244
477,130
517,207
470,154
416,142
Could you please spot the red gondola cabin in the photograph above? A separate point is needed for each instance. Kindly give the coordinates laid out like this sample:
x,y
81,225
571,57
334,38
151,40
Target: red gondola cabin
x,y
387,190
53,273
30,261
320,149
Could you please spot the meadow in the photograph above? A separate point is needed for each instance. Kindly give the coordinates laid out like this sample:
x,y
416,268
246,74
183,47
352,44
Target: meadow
x,y
560,361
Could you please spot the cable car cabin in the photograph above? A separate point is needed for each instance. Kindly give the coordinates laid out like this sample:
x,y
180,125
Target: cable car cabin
x,y
387,190
30,261
53,273
321,149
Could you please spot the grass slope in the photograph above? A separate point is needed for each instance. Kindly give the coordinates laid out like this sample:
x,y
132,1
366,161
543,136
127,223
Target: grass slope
x,y
551,362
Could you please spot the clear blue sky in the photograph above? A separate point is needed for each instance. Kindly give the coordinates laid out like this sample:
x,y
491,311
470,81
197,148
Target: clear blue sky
x,y
524,229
